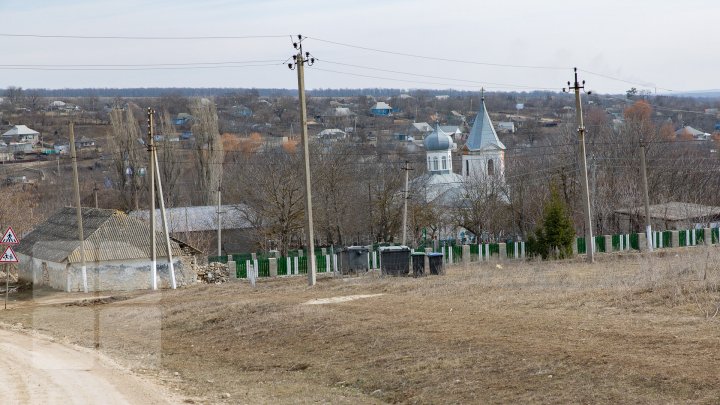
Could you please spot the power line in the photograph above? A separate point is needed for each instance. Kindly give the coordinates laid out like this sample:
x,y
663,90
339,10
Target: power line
x,y
133,38
438,58
278,63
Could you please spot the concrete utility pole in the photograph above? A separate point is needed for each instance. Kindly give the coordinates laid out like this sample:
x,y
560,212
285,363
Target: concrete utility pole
x,y
76,184
589,242
95,194
300,61
646,199
407,169
219,222
151,148
166,227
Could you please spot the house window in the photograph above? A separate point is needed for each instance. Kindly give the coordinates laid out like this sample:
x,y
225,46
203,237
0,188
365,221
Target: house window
x,y
491,168
435,163
444,163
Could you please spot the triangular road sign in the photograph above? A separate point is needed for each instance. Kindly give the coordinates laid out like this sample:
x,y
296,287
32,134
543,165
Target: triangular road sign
x,y
8,256
9,237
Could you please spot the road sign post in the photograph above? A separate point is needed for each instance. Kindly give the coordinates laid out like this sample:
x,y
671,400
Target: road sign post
x,y
9,238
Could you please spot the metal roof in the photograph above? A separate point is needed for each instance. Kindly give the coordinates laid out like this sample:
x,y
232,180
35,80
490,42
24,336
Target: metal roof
x,y
20,130
109,235
197,219
675,211
482,135
438,140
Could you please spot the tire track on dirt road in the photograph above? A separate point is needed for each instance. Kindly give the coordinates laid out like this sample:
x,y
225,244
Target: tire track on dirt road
x,y
36,370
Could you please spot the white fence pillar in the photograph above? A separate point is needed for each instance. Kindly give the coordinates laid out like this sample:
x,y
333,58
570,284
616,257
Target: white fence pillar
x,y
297,265
516,254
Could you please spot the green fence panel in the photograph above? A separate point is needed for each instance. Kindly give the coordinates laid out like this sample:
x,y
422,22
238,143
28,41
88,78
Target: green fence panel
x,y
699,236
600,244
457,253
683,238
715,232
302,265
241,269
263,267
580,245
616,242
282,268
634,241
494,249
320,262
510,249
475,253
667,238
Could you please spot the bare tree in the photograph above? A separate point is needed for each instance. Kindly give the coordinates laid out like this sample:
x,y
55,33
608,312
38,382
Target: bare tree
x,y
130,160
208,150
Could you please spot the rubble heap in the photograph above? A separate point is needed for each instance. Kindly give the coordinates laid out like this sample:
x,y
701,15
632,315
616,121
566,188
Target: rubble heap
x,y
213,273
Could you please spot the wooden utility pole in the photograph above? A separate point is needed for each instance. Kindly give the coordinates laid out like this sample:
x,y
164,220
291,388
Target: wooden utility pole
x,y
95,194
589,241
300,61
151,148
76,184
646,199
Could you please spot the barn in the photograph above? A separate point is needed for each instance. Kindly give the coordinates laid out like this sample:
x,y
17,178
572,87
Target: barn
x,y
117,253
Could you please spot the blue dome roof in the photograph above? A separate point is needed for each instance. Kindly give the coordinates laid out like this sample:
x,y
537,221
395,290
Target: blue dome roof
x,y
438,140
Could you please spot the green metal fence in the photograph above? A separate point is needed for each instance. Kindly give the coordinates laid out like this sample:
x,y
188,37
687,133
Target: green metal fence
x,y
581,246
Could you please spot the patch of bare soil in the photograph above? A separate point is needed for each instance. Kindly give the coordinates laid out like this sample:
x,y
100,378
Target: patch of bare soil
x,y
628,329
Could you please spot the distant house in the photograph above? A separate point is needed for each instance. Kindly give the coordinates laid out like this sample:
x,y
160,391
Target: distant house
x,y
241,111
419,130
116,248
670,216
690,131
505,126
22,134
84,142
331,134
182,119
381,109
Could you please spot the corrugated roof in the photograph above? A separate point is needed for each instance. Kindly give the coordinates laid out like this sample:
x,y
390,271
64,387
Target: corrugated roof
x,y
675,211
109,235
197,219
483,135
20,130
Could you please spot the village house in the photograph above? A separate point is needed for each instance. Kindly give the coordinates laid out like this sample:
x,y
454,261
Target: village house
x,y
21,134
117,253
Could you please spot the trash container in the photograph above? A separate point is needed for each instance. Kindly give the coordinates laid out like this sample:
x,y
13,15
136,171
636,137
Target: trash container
x,y
436,263
418,264
395,260
353,259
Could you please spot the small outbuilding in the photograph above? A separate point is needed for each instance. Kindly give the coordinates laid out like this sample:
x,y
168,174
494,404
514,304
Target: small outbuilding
x,y
673,215
117,253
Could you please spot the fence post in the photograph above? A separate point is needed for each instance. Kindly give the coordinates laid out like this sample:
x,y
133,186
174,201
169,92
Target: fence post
x,y
575,247
502,247
232,269
374,260
466,255
288,267
450,254
297,265
608,244
707,238
522,250
675,238
516,253
250,272
487,252
273,266
642,242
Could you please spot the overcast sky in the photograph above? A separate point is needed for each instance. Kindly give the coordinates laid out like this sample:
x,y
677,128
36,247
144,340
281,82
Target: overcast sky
x,y
641,43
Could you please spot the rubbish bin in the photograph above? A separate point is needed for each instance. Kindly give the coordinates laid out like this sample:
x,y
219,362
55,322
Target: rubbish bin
x,y
436,263
395,260
353,259
418,264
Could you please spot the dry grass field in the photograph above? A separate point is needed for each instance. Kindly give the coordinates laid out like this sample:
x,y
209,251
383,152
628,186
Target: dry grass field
x,y
630,329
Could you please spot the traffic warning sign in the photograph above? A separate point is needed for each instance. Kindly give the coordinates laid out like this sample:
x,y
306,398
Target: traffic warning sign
x,y
8,256
9,237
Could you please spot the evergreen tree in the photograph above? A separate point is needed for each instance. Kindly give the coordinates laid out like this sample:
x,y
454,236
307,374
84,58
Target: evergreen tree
x,y
554,238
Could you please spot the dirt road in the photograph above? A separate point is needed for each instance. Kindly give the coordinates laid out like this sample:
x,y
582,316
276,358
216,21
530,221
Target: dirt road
x,y
35,370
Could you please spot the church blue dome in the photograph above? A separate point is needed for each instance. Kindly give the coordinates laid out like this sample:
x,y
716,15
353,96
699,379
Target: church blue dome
x,y
438,140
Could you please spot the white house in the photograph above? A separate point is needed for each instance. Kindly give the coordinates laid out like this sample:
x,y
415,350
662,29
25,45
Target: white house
x,y
22,134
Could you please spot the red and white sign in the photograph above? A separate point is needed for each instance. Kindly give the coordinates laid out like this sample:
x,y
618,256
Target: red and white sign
x,y
9,237
8,256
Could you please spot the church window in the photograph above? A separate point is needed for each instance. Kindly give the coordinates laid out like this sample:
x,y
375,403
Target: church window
x,y
429,163
491,168
467,168
444,163
435,163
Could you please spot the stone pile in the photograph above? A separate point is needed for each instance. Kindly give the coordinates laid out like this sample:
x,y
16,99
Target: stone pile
x,y
213,273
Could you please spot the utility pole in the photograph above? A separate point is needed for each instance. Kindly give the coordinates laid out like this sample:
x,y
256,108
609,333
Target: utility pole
x,y
589,242
95,194
407,169
646,199
300,61
166,227
76,184
219,222
151,149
